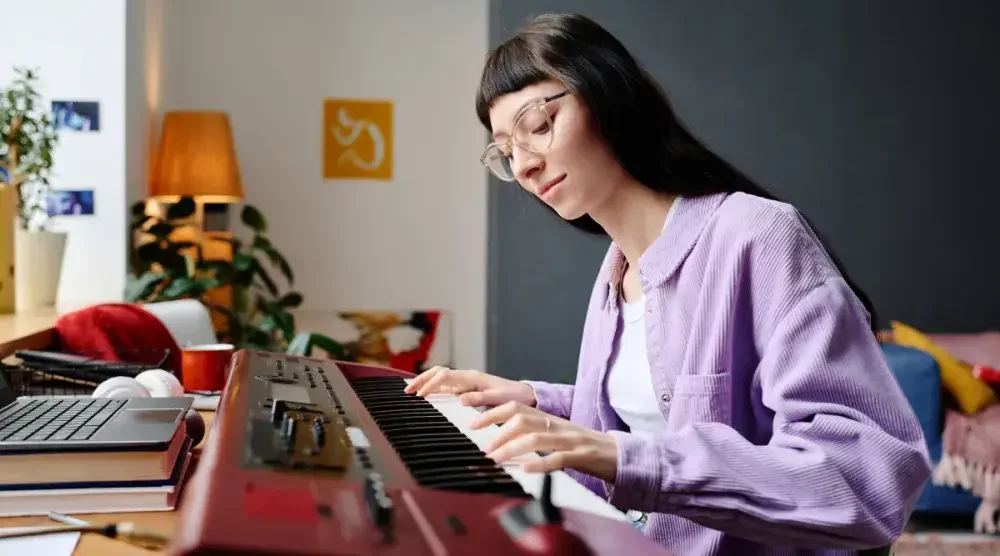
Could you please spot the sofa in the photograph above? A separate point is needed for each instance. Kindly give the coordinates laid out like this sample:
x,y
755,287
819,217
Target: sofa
x,y
920,378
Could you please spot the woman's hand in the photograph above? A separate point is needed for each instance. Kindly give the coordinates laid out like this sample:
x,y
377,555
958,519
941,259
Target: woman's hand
x,y
526,429
475,388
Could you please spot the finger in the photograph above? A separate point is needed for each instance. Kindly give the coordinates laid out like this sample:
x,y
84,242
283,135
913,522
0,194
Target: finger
x,y
441,378
518,425
500,414
533,442
492,397
421,379
555,461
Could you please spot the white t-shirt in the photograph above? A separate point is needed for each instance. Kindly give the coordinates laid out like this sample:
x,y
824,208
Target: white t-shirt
x,y
630,383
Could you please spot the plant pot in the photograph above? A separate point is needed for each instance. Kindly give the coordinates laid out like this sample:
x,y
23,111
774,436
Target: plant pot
x,y
38,264
8,221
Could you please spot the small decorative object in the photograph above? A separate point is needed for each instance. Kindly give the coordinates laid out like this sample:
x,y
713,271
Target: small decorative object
x,y
77,115
31,262
357,139
165,269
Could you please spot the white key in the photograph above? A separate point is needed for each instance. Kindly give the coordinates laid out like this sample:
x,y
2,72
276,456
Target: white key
x,y
566,491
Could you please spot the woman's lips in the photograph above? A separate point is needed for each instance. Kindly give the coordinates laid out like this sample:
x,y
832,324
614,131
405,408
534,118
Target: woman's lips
x,y
547,186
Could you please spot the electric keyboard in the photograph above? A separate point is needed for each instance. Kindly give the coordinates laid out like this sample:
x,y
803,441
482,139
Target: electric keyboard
x,y
311,456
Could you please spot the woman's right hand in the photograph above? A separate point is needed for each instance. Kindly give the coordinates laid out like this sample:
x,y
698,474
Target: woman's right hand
x,y
474,388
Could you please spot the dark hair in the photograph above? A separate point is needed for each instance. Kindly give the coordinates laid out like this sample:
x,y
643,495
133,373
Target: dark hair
x,y
628,107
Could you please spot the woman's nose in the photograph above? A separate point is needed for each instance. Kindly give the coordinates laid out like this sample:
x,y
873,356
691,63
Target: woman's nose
x,y
525,163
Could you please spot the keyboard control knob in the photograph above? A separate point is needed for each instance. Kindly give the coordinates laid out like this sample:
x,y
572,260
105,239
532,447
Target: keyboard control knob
x,y
537,526
380,505
319,434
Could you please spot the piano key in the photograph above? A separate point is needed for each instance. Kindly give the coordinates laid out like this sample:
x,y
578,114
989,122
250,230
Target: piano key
x,y
566,491
434,450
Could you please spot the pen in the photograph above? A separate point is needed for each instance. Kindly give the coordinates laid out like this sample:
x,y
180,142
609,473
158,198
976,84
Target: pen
x,y
125,531
68,520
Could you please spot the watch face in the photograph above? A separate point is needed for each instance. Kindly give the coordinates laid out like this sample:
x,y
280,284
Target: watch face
x,y
637,519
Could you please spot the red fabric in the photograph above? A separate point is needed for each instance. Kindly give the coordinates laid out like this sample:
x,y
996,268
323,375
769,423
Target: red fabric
x,y
118,332
413,359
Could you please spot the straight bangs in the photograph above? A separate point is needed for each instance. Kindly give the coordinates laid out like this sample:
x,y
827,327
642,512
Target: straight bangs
x,y
513,66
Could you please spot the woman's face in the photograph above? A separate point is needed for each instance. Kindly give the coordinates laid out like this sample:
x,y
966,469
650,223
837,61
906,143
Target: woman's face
x,y
577,172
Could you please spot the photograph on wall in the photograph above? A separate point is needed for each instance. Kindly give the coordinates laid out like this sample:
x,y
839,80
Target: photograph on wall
x,y
70,202
76,115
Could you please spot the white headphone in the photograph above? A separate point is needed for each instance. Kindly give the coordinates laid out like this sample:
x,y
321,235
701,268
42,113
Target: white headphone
x,y
154,383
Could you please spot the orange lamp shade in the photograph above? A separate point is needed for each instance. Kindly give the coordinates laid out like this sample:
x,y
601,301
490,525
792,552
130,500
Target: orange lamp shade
x,y
196,158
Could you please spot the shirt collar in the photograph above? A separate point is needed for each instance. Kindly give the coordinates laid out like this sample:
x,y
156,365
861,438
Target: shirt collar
x,y
665,255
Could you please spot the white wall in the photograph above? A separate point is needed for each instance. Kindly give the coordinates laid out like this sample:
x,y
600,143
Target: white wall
x,y
418,241
79,48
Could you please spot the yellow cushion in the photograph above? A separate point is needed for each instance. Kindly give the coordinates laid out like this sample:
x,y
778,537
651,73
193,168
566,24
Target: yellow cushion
x,y
971,393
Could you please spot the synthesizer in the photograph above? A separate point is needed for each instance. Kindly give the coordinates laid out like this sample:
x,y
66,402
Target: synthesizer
x,y
309,456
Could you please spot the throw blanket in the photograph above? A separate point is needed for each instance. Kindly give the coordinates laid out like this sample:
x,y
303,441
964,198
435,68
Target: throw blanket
x,y
971,460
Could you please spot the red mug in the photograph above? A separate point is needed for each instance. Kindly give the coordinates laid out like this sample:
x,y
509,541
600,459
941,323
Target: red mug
x,y
206,367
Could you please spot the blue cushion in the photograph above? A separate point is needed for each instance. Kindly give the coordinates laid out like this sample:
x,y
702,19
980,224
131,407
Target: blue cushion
x,y
920,378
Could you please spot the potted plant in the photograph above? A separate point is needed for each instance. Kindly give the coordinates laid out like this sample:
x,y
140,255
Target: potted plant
x,y
260,316
28,136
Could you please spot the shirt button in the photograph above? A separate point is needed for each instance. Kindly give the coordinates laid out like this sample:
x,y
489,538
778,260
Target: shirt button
x,y
649,309
665,397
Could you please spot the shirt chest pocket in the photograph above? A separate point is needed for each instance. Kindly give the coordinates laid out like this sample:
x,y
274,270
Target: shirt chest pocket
x,y
702,398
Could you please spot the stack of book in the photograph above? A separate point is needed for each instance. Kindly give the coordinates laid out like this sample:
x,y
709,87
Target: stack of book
x,y
95,481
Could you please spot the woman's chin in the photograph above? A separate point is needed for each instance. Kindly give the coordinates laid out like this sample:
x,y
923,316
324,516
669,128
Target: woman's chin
x,y
568,213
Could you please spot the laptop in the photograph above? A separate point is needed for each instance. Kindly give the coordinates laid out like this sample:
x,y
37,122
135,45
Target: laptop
x,y
71,424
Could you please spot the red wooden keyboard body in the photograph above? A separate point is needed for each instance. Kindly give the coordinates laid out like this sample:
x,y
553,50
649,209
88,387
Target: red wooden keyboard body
x,y
231,508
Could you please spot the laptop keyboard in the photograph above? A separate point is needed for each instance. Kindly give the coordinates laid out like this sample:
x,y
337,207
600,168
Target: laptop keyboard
x,y
56,420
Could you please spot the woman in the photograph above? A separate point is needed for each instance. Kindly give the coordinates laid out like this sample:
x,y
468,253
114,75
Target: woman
x,y
731,394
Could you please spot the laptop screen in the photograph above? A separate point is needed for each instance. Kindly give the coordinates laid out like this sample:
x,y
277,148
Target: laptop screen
x,y
7,394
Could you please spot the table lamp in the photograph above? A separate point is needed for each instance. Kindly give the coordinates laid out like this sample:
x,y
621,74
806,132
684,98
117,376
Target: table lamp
x,y
196,159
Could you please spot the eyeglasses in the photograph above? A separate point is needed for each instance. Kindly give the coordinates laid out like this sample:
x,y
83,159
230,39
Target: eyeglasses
x,y
532,131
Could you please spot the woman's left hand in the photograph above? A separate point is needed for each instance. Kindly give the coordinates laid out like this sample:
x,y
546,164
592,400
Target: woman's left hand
x,y
526,429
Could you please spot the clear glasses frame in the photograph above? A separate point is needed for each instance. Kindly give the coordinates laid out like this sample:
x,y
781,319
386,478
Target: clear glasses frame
x,y
496,156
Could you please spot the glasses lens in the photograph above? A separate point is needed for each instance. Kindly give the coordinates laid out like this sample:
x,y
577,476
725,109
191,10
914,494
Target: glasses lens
x,y
498,163
533,130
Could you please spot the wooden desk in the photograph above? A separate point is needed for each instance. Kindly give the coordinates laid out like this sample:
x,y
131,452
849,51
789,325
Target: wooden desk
x,y
34,331
25,331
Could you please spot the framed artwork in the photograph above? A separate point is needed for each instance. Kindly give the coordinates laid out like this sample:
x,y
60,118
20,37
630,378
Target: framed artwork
x,y
357,139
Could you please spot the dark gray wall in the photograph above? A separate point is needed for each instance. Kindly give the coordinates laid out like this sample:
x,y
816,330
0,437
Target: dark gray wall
x,y
877,119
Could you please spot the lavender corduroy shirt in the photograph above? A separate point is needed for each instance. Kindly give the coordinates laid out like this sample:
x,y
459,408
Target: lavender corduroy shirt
x,y
786,431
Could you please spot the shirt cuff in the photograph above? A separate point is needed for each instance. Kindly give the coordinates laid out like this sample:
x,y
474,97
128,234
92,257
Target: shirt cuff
x,y
547,399
637,482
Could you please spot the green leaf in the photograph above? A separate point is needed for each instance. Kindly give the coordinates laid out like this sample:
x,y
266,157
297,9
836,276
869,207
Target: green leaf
x,y
143,286
183,208
265,277
290,299
304,342
182,286
221,270
264,245
161,229
150,252
243,262
253,218
257,336
209,283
